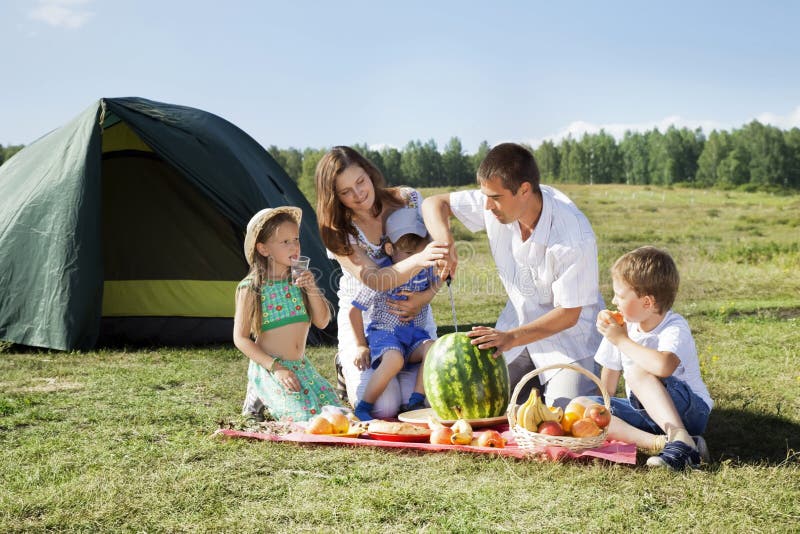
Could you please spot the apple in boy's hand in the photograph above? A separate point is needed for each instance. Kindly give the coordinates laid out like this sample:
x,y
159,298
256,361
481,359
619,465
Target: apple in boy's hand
x,y
617,316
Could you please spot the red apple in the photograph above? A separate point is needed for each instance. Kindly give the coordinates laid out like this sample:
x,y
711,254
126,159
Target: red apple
x,y
551,428
599,414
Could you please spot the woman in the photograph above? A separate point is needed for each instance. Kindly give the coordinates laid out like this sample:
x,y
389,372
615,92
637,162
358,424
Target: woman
x,y
353,203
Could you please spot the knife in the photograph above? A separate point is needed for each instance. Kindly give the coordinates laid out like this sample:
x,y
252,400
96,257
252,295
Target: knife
x,y
448,280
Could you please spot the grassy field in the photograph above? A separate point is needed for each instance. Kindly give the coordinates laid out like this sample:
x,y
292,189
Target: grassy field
x,y
123,440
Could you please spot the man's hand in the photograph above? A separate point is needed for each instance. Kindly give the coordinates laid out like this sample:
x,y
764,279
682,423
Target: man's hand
x,y
448,265
436,212
486,337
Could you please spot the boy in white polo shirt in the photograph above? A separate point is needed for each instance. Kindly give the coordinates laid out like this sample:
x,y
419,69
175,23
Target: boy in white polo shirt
x,y
667,400
546,256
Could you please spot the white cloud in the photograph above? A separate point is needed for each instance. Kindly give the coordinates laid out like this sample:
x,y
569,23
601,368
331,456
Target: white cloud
x,y
786,122
617,129
577,128
377,147
70,14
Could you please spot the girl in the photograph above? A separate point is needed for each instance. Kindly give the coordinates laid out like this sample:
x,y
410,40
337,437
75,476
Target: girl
x,y
273,315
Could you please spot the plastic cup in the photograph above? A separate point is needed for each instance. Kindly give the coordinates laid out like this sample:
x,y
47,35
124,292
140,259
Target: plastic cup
x,y
299,266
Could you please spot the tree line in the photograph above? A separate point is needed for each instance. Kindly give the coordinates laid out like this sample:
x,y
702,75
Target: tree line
x,y
8,151
754,157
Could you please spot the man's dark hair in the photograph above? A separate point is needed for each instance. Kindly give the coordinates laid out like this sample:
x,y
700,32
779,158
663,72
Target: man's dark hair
x,y
512,164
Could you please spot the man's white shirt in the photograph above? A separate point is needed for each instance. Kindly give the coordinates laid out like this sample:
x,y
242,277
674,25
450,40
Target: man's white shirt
x,y
556,267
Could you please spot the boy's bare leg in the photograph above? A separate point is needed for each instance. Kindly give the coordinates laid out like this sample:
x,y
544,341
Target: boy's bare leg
x,y
391,364
622,431
655,399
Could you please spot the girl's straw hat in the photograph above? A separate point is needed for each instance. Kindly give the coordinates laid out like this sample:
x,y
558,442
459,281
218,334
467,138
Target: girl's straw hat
x,y
257,223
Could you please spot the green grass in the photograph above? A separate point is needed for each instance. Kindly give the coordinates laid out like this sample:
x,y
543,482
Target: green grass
x,y
122,440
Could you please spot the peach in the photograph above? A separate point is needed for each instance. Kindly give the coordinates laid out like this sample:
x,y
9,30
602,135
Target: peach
x,y
319,425
491,438
585,428
441,435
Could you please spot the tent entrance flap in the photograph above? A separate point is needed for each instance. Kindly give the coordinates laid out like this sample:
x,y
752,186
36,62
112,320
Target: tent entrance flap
x,y
118,136
168,298
158,226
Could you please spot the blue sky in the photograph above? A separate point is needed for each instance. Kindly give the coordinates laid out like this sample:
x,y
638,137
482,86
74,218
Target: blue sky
x,y
317,74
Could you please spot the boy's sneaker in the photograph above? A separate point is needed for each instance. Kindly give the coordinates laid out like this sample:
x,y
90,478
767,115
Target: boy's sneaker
x,y
677,456
415,402
702,449
416,406
411,407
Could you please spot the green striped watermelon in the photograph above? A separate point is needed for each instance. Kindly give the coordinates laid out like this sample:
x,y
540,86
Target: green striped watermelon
x,y
459,376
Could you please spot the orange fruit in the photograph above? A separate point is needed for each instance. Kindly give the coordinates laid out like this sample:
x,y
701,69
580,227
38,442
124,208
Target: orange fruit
x,y
617,316
339,422
569,418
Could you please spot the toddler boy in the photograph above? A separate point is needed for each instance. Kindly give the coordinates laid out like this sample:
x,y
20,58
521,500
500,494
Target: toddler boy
x,y
391,343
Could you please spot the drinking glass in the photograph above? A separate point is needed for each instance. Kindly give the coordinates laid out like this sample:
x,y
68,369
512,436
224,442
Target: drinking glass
x,y
299,266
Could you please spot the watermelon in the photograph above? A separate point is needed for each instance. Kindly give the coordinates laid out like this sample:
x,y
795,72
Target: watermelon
x,y
459,376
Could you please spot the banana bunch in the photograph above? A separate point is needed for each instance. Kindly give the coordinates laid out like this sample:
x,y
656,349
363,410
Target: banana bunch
x,y
534,411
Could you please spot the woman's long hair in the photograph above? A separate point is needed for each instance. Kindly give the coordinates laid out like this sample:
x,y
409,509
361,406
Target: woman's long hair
x,y
335,220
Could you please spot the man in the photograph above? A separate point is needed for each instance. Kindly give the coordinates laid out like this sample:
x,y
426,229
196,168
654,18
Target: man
x,y
546,256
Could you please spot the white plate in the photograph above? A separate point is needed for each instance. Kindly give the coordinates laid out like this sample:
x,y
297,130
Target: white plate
x,y
421,416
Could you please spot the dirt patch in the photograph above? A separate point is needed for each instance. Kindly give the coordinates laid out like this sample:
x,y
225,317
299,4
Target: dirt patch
x,y
771,313
47,385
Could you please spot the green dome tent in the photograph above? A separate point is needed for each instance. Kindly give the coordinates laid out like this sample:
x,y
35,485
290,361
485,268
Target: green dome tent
x,y
127,226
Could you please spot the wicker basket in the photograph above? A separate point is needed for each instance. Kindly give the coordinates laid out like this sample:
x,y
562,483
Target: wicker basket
x,y
533,441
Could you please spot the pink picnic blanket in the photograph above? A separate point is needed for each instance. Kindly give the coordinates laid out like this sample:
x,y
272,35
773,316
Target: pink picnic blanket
x,y
612,451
